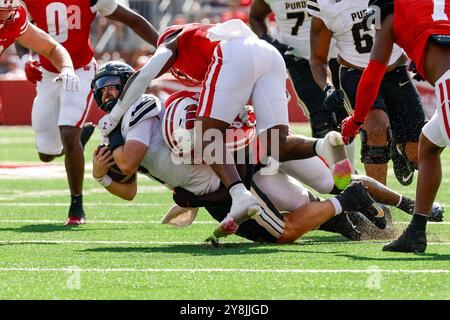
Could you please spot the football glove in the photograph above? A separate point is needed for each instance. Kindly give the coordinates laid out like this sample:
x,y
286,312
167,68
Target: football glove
x,y
69,79
32,71
349,129
334,98
248,116
106,124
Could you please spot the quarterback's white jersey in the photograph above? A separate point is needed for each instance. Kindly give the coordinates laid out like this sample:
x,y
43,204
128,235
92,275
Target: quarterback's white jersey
x,y
343,18
293,26
142,122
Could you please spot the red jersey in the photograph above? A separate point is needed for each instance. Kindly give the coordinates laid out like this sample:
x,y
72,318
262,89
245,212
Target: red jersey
x,y
9,33
195,52
415,21
68,22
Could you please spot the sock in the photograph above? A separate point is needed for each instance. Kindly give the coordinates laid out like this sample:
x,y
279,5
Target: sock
x,y
406,204
76,206
418,222
236,189
337,206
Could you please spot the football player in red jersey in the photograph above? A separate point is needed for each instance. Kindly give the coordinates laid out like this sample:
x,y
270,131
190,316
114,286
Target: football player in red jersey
x,y
422,29
58,117
14,26
232,65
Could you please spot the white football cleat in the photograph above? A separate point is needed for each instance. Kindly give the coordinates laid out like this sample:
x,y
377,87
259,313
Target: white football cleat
x,y
332,149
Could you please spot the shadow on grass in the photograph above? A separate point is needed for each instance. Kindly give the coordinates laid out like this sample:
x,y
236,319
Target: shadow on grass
x,y
390,256
43,228
200,249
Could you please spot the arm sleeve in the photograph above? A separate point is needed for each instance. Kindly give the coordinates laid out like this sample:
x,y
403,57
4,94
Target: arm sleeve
x,y
368,89
104,7
142,131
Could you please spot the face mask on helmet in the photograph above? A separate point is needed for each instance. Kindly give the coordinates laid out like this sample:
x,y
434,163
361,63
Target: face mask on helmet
x,y
8,9
100,84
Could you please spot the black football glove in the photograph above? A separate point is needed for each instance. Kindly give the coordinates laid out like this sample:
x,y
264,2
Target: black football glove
x,y
334,98
115,138
285,50
413,69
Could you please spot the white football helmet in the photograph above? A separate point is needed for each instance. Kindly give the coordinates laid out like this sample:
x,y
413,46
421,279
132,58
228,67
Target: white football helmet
x,y
178,126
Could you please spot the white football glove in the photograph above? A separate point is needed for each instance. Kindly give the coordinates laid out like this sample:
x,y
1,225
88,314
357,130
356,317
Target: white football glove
x,y
69,79
107,124
248,116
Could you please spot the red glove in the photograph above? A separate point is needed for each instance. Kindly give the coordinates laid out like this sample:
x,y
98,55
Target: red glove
x,y
349,128
32,71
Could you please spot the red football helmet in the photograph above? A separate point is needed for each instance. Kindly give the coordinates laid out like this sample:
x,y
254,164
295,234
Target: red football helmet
x,y
8,9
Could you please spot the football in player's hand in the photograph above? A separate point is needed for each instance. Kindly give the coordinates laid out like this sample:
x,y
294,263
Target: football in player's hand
x,y
115,173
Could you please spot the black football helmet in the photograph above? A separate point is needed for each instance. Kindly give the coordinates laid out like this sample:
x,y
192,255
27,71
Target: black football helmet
x,y
382,7
112,73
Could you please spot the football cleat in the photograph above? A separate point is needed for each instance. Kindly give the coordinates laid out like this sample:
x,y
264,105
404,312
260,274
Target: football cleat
x,y
403,169
75,221
86,133
343,225
410,241
356,198
332,149
437,213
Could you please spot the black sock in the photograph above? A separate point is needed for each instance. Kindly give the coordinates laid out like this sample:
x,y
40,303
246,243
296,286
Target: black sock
x,y
418,222
407,205
76,206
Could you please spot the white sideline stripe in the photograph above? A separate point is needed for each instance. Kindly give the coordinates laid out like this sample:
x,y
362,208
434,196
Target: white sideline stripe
x,y
179,242
209,270
65,204
151,221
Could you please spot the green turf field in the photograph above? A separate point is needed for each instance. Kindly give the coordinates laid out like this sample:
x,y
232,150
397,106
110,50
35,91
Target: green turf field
x,y
124,253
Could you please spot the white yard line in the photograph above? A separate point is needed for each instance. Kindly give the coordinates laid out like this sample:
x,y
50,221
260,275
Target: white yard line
x,y
66,204
124,242
219,270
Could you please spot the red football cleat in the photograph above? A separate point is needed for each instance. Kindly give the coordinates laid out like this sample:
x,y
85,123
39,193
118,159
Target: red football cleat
x,y
75,221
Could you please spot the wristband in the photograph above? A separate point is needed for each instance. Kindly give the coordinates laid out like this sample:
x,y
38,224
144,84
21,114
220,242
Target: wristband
x,y
105,181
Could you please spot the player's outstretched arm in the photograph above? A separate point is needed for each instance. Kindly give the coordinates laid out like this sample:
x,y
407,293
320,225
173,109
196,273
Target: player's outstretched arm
x,y
129,156
136,22
158,64
39,41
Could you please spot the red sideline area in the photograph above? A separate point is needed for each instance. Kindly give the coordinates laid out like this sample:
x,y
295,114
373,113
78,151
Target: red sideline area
x,y
16,100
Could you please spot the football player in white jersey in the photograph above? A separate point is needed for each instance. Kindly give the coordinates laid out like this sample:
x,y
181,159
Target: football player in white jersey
x,y
138,144
141,144
394,123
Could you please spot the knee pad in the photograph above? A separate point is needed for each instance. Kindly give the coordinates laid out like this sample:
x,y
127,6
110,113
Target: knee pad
x,y
322,122
373,154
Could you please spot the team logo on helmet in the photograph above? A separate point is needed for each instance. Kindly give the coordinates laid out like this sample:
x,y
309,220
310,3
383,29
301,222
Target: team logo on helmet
x,y
178,127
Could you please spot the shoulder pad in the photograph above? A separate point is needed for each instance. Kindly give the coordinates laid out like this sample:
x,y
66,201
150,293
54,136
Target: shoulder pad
x,y
147,106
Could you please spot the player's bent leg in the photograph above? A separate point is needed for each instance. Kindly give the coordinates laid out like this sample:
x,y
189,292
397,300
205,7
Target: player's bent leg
x,y
375,152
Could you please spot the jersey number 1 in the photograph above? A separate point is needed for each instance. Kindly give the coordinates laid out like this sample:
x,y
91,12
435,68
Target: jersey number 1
x,y
439,10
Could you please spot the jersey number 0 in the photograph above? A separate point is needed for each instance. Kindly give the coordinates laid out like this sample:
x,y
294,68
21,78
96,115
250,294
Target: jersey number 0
x,y
61,19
